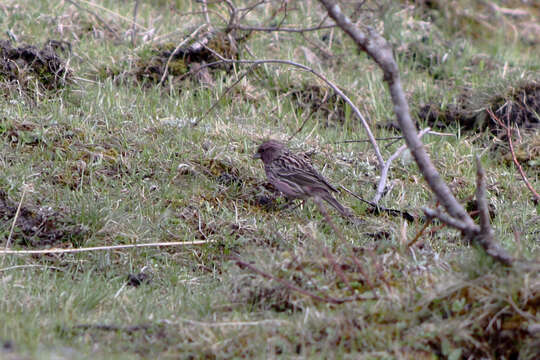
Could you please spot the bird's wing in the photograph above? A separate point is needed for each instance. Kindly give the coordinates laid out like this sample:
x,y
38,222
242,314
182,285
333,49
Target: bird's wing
x,y
301,173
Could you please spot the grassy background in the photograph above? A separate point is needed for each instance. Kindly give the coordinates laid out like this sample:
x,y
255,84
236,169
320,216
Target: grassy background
x,y
118,162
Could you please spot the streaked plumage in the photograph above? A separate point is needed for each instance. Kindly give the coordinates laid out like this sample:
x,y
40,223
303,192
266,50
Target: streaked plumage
x,y
294,176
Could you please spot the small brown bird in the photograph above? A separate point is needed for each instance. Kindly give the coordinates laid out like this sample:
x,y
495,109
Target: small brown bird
x,y
295,177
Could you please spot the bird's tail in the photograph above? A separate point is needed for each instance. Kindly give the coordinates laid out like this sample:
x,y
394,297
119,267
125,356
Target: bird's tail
x,y
345,212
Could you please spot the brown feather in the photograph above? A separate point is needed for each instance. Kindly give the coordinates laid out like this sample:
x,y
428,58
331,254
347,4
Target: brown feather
x,y
294,176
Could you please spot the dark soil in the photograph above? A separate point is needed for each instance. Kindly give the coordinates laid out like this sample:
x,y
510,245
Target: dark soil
x,y
195,61
35,227
23,66
520,108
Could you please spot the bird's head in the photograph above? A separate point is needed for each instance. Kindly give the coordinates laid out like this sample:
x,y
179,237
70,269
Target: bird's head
x,y
269,151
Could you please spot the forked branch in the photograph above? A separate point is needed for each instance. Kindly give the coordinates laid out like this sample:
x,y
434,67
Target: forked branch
x,y
381,52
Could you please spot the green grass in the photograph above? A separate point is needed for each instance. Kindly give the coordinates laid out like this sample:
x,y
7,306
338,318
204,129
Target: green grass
x,y
118,162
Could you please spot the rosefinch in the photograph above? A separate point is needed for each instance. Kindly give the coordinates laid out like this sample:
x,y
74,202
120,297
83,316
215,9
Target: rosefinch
x,y
294,176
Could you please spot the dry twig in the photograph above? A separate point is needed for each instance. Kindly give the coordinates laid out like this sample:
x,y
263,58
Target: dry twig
x,y
507,128
133,27
308,69
381,52
99,18
282,29
384,172
173,53
101,248
8,242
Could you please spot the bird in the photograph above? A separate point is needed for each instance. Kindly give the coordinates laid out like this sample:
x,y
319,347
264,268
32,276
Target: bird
x,y
295,177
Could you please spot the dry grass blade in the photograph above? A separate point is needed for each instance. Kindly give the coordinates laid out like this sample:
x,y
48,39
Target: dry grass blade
x,y
104,248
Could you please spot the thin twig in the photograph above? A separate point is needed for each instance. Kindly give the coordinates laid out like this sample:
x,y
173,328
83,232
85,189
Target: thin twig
x,y
287,284
384,172
235,323
246,10
514,159
431,132
311,112
325,52
106,248
133,27
486,237
337,269
378,208
144,327
367,140
362,272
277,28
8,242
232,18
182,43
31,266
115,328
205,13
285,6
320,76
419,234
126,19
229,88
110,29
447,219
481,201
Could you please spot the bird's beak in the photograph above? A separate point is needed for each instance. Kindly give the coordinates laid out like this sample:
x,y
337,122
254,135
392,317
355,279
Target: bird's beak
x,y
257,156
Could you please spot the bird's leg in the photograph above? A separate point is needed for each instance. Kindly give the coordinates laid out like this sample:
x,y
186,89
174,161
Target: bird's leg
x,y
289,202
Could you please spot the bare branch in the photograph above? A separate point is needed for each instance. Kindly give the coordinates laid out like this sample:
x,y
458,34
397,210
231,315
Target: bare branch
x,y
381,52
448,220
378,209
486,236
481,201
282,29
232,16
205,13
386,167
367,140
